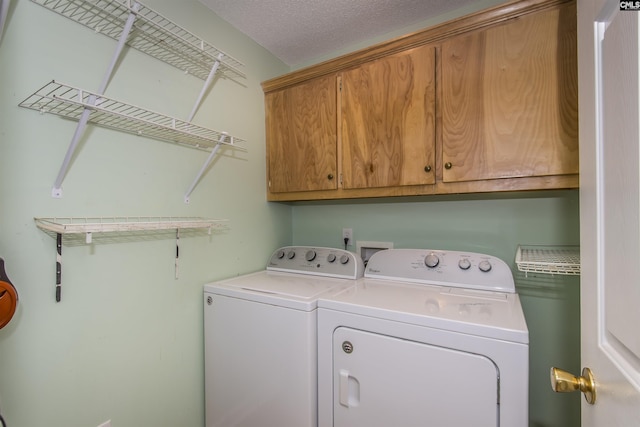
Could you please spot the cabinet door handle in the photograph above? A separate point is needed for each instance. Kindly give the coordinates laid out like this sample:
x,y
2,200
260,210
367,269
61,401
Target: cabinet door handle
x,y
448,165
427,168
330,176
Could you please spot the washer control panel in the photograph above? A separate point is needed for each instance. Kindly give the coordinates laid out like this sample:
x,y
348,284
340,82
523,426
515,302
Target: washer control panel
x,y
446,268
317,261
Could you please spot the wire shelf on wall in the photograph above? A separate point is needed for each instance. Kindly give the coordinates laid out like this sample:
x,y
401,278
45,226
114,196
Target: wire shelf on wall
x,y
79,230
153,34
70,102
563,260
133,24
83,229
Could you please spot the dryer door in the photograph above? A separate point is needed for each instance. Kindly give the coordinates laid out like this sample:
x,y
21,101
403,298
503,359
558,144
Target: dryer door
x,y
381,381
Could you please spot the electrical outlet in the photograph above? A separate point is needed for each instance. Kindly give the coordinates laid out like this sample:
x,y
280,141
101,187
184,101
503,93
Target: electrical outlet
x,y
105,424
347,233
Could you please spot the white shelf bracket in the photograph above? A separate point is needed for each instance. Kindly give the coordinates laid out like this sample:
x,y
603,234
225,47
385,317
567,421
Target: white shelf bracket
x,y
82,124
4,11
204,167
84,118
205,87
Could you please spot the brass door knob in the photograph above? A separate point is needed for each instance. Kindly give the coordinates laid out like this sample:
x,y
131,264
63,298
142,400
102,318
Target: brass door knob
x,y
448,165
564,382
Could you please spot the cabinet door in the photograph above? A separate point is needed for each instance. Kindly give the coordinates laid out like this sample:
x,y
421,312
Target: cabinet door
x,y
301,136
510,99
388,121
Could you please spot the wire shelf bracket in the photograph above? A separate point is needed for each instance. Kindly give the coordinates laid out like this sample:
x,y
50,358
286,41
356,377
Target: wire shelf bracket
x,y
133,24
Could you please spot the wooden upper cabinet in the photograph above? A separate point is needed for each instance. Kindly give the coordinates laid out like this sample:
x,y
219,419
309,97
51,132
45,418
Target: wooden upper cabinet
x,y
301,134
486,102
388,121
510,99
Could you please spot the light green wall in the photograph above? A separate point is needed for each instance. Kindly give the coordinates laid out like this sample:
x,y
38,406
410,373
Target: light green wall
x,y
489,223
125,342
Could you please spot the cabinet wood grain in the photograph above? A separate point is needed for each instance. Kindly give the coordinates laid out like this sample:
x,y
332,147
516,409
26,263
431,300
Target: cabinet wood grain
x,y
388,121
510,99
301,131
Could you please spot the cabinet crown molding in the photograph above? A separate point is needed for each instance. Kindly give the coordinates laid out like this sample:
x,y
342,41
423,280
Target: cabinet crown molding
x,y
434,34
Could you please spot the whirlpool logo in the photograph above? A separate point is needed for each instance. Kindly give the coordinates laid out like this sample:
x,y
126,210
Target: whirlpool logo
x,y
629,5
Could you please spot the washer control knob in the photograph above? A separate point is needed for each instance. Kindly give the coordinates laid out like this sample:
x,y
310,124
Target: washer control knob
x,y
310,255
484,266
344,259
331,258
431,260
291,254
464,263
280,254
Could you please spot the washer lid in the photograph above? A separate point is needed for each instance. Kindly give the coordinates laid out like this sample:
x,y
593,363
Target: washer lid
x,y
297,291
476,312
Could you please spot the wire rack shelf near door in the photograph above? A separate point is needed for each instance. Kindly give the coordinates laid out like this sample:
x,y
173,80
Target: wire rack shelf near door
x,y
563,260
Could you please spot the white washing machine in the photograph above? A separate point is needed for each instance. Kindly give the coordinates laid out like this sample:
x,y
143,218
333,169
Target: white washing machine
x,y
427,338
261,338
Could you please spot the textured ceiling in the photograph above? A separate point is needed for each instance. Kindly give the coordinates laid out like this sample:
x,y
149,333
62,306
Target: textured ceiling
x,y
299,30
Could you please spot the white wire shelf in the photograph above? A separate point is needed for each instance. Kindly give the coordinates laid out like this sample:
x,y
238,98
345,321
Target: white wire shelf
x,y
563,260
83,229
70,102
153,34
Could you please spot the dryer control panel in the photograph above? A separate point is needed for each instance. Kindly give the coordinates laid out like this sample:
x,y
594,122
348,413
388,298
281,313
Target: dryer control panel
x,y
468,270
317,261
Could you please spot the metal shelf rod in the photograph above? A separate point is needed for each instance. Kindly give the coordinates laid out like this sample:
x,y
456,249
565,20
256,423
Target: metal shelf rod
x,y
84,118
205,87
204,167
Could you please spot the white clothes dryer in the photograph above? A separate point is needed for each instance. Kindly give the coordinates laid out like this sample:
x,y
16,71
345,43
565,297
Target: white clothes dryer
x,y
427,338
261,338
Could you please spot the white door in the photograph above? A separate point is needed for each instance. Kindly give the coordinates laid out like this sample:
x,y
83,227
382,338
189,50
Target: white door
x,y
382,381
610,210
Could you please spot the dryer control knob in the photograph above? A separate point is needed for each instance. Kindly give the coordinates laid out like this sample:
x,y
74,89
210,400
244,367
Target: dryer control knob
x,y
291,254
431,260
310,255
280,254
344,259
331,258
464,263
484,266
